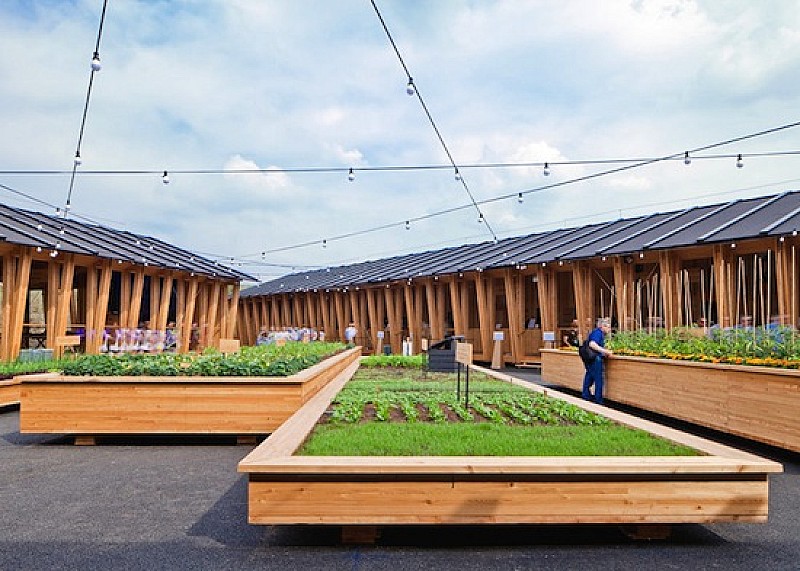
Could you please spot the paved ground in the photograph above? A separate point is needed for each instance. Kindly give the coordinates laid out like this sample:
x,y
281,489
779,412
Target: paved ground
x,y
179,504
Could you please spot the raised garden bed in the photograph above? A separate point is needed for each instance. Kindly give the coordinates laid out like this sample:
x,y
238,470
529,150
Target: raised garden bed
x,y
722,484
760,403
243,405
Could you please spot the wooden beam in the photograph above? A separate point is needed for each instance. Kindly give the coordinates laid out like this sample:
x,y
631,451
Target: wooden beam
x,y
623,286
136,299
185,326
483,291
63,303
212,319
20,267
125,298
516,327
459,320
232,305
723,285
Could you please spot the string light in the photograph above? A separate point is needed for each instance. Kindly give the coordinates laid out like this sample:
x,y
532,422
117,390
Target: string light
x,y
519,198
408,225
458,175
739,161
165,178
410,87
480,218
686,159
96,66
546,171
77,160
324,243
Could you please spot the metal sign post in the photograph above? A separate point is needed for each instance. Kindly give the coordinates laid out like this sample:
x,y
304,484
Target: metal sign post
x,y
463,357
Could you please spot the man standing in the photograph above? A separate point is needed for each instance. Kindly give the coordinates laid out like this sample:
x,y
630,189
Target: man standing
x,y
594,367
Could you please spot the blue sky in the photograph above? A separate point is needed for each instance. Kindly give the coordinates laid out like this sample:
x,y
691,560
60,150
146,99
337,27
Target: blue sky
x,y
216,85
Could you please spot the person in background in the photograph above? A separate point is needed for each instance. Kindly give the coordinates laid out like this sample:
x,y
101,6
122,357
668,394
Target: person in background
x,y
350,333
263,337
594,368
570,336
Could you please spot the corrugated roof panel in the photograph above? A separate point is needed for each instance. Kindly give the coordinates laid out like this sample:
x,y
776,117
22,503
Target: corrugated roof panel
x,y
590,247
763,211
547,252
661,224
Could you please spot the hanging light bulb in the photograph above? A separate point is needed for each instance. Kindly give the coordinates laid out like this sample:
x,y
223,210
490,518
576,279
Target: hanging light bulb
x,y
324,243
39,227
739,162
408,225
96,66
263,255
77,160
519,198
458,175
351,176
54,253
165,178
480,218
686,159
410,87
546,171
38,249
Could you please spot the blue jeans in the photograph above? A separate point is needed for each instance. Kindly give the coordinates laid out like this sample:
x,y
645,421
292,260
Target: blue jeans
x,y
594,376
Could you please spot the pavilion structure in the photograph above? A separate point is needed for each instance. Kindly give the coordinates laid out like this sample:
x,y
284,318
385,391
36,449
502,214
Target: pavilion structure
x,y
716,265
67,282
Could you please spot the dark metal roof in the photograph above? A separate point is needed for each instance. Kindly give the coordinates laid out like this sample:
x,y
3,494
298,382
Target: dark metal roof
x,y
736,220
37,230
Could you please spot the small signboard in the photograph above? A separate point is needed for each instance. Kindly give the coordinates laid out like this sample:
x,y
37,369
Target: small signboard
x,y
498,336
68,340
548,335
380,334
464,353
228,346
424,344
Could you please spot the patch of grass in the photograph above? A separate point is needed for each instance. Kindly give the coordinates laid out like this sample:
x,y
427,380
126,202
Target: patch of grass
x,y
395,412
484,439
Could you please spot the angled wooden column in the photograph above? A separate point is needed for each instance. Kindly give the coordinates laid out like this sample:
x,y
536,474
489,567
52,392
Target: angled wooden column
x,y
412,316
784,282
546,287
136,299
516,327
229,316
64,298
249,326
440,309
212,319
459,309
180,309
124,298
311,310
155,301
436,321
325,303
98,292
297,311
583,289
668,270
395,321
374,325
53,281
355,309
186,315
341,324
286,311
158,321
264,319
16,278
484,290
623,286
202,314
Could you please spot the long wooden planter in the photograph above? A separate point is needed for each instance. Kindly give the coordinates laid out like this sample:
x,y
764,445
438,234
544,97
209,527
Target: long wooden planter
x,y
56,404
760,403
723,485
9,392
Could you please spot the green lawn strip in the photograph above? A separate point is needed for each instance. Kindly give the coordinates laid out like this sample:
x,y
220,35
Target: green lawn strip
x,y
412,413
484,439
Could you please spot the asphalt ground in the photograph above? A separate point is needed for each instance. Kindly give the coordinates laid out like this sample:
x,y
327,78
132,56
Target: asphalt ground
x,y
150,503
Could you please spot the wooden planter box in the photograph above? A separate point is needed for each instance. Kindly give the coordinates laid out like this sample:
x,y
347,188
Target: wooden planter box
x,y
723,485
9,392
760,403
55,404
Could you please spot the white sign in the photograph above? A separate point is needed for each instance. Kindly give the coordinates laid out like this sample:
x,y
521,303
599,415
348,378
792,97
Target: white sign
x,y
380,334
548,335
498,336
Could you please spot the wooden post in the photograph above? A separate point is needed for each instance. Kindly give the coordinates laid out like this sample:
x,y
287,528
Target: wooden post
x,y
668,268
483,292
97,301
724,289
16,277
125,298
623,285
212,319
233,304
459,321
188,316
136,299
516,327
63,301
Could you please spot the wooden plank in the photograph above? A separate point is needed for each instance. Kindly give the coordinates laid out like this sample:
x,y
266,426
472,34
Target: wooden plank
x,y
19,295
136,298
755,402
55,404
